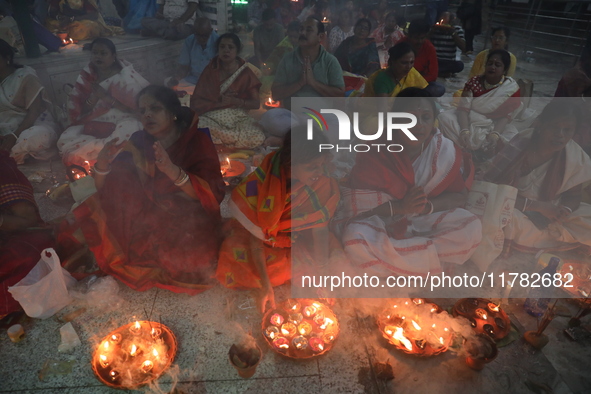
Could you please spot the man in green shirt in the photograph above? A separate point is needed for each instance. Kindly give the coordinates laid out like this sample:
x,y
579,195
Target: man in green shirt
x,y
309,71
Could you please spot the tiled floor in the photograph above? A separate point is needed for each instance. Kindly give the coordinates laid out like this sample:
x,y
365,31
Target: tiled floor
x,y
206,325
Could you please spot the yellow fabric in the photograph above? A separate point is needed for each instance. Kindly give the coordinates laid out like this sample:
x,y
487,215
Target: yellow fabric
x,y
480,62
412,80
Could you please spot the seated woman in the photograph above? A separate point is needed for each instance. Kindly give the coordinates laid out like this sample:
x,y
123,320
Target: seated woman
x,y
399,75
154,221
342,30
387,35
80,18
358,54
27,127
225,92
101,105
22,238
548,168
488,103
287,195
499,39
402,211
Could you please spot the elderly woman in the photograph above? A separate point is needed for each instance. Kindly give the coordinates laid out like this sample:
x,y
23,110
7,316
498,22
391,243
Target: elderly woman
x,y
27,127
358,54
548,168
22,238
225,92
154,221
399,75
288,197
499,39
101,105
402,211
487,106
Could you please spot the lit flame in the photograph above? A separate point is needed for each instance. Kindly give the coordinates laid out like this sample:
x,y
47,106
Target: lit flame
x,y
320,346
493,307
441,340
416,326
433,310
106,345
114,337
317,305
399,336
433,325
133,350
284,346
137,325
155,353
484,316
103,358
284,331
327,322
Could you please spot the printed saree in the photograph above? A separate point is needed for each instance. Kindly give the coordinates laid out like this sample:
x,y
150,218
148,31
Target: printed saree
x,y
264,209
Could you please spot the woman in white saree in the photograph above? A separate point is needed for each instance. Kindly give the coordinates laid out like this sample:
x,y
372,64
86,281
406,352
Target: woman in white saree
x,y
27,127
402,212
548,168
225,92
487,106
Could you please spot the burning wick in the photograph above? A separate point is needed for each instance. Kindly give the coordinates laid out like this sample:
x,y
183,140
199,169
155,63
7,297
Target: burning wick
x,y
277,320
493,307
415,325
135,328
114,375
481,313
295,318
272,332
281,343
134,351
106,345
288,329
292,305
399,336
327,323
156,332
305,328
115,338
104,361
310,310
229,163
300,343
317,344
147,366
328,338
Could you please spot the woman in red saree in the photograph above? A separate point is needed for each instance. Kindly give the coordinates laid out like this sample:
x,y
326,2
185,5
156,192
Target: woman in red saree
x,y
402,211
21,237
227,89
155,218
281,200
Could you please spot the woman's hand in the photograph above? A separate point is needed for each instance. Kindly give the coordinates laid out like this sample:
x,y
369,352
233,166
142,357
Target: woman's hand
x,y
465,137
99,92
413,202
232,100
108,154
163,161
267,297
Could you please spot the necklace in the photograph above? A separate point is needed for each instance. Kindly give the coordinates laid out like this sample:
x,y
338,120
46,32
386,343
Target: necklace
x,y
489,86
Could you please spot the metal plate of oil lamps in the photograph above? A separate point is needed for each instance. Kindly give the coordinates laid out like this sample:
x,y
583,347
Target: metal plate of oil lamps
x,y
485,316
134,355
300,328
416,327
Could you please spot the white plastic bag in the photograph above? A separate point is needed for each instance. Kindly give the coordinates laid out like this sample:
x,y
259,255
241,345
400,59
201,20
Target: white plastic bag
x,y
44,290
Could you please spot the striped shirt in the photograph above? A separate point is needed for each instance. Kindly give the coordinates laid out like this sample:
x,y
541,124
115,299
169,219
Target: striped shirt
x,y
444,43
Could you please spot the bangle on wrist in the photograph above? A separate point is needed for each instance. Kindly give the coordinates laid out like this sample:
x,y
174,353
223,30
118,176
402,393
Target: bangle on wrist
x,y
14,135
184,179
464,131
567,208
430,208
525,204
100,172
391,210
